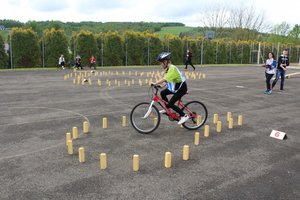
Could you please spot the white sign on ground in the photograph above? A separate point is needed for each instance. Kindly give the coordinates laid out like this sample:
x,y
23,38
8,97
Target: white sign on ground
x,y
278,135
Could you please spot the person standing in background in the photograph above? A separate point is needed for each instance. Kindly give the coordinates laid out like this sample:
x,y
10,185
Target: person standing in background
x,y
283,62
61,61
270,71
188,59
78,62
92,62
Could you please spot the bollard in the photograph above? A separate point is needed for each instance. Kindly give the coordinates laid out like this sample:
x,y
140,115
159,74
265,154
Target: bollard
x,y
136,163
206,130
230,123
168,159
123,121
186,150
68,137
216,118
240,120
197,138
85,127
104,122
155,121
70,147
81,154
75,133
74,81
229,115
103,161
199,119
219,127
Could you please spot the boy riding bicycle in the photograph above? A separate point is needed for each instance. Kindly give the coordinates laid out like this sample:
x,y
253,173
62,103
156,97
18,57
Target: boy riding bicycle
x,y
176,85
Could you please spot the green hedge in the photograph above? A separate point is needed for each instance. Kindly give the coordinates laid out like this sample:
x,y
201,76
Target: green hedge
x,y
130,48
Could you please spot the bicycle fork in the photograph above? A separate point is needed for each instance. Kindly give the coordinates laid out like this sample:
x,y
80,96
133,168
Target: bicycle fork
x,y
149,110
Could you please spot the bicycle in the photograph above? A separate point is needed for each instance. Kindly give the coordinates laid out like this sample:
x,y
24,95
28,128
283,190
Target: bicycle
x,y
145,117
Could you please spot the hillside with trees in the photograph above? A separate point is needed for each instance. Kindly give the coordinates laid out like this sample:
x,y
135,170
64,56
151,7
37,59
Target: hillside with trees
x,y
39,44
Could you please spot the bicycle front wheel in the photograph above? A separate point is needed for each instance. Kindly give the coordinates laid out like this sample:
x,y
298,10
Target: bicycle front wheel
x,y
145,123
198,115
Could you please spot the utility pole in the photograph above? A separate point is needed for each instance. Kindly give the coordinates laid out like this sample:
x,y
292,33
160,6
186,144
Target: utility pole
x,y
43,48
10,48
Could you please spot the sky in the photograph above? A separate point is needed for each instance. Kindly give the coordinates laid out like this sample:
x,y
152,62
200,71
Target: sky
x,y
184,11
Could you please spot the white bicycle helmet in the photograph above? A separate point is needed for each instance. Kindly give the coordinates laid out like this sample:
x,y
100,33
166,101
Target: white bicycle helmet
x,y
164,56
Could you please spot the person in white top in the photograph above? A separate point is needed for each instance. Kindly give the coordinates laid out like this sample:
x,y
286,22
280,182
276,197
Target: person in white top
x,y
270,71
61,61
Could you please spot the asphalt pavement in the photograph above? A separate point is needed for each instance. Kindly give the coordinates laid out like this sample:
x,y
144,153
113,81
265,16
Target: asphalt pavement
x,y
38,108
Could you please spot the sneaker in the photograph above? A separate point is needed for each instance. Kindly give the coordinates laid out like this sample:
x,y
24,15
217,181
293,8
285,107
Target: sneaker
x,y
162,111
183,119
269,92
266,92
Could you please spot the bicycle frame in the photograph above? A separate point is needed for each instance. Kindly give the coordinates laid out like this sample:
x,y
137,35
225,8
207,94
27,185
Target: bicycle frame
x,y
163,104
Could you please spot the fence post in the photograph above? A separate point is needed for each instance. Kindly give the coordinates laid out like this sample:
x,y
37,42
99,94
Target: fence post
x,y
126,53
10,49
258,53
217,52
102,51
43,49
148,51
201,56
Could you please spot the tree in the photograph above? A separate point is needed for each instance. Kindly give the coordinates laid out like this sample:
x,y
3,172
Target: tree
x,y
112,48
215,17
246,23
294,34
155,47
246,18
3,55
26,52
281,29
34,26
135,44
174,45
86,46
55,44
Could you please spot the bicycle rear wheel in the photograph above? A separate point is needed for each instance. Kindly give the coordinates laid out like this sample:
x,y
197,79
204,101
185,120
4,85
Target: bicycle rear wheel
x,y
198,115
141,124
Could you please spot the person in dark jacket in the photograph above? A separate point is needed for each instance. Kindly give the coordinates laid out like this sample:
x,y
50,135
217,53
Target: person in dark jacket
x,y
188,59
78,62
283,62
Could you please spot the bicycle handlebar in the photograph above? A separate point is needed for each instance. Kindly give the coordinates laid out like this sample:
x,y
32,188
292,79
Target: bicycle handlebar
x,y
156,87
